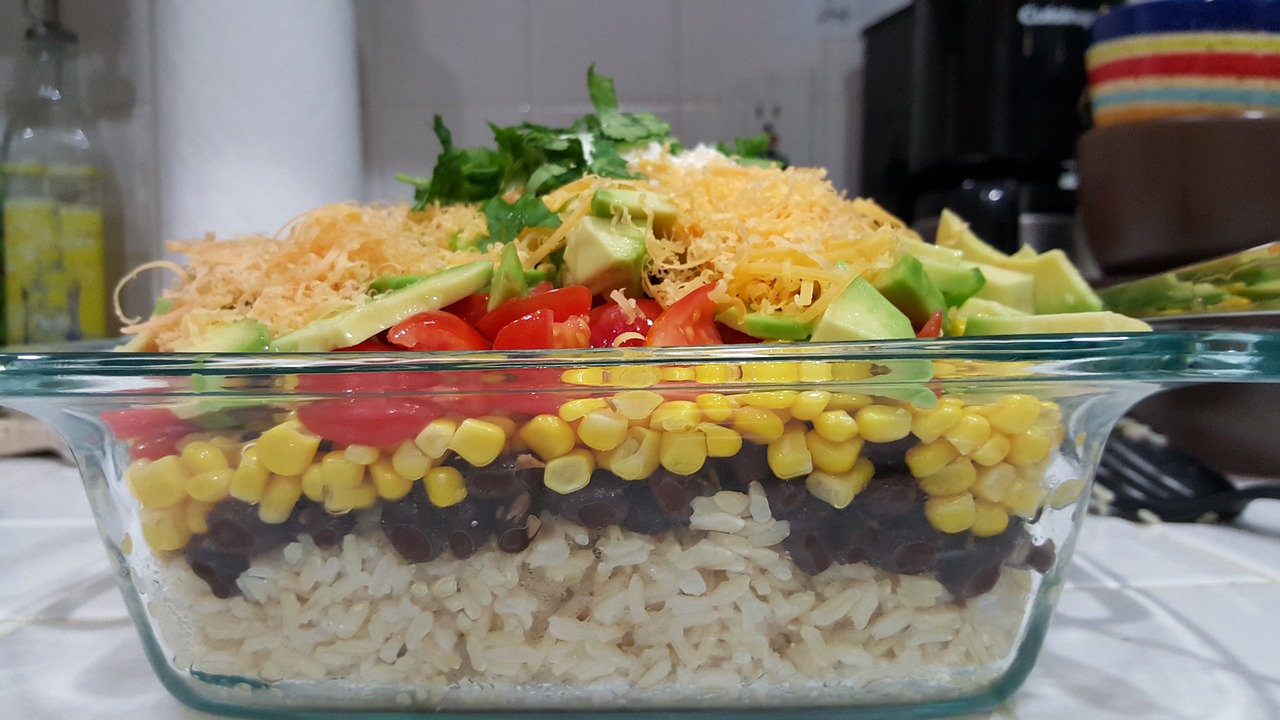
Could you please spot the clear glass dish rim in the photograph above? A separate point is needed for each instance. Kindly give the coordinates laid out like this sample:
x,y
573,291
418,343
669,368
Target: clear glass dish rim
x,y
1164,358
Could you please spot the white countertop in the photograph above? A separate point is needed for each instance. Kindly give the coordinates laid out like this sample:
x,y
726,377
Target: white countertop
x,y
1161,621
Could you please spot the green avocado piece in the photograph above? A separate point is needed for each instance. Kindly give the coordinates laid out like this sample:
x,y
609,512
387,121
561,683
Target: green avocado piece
x,y
1160,293
605,255
957,280
975,307
861,313
387,283
362,322
635,205
508,278
245,335
1009,287
766,326
954,234
1101,321
910,289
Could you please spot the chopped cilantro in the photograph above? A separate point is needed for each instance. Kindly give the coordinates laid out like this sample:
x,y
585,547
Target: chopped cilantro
x,y
747,148
506,220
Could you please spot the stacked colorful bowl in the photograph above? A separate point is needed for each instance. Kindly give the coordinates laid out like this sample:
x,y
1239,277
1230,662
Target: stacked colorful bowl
x,y
1171,58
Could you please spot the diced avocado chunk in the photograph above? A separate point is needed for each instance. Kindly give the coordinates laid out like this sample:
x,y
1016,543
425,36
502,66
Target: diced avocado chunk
x,y
956,280
861,313
766,326
362,322
635,205
1158,293
387,283
990,308
239,336
508,278
1101,321
954,234
1009,287
605,255
910,289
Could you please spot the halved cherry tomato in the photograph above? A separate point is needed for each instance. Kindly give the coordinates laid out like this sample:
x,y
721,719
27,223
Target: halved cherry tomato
x,y
133,423
373,344
608,321
534,331
470,308
436,330
374,421
563,303
733,336
932,327
691,320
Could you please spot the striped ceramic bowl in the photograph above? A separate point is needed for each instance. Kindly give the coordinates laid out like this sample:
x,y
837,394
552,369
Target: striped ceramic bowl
x,y
1170,58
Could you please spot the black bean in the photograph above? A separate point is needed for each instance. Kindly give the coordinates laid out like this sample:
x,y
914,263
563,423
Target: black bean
x,y
674,494
415,527
907,546
890,496
644,515
786,496
468,524
809,542
216,567
603,502
516,522
750,464
325,529
851,536
891,457
1042,557
499,479
968,572
234,527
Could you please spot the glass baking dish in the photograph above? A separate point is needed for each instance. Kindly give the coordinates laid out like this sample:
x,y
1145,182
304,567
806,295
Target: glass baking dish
x,y
858,528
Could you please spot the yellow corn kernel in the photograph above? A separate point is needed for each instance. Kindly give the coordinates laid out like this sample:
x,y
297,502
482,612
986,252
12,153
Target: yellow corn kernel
x,y
408,461
569,472
992,451
548,436
776,400
957,477
716,407
636,377
771,372
928,425
677,373
675,415
636,404
337,470
637,457
715,373
758,425
815,371
1025,498
445,486
969,433
313,483
478,442
195,514
1013,413
507,424
993,483
989,519
433,440
849,402
388,481
721,441
1067,493
361,454
210,486
1027,448
836,425
165,529
603,429
683,452
883,423
851,370
339,500
203,456
809,404
832,457
287,448
926,459
839,489
789,456
1050,413
951,514
250,477
577,409
282,494
583,376
157,484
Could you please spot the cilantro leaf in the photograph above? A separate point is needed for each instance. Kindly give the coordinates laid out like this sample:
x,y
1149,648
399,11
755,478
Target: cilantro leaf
x,y
606,162
507,220
600,88
752,146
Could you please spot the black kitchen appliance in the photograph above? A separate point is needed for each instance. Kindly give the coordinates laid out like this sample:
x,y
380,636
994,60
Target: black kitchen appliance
x,y
976,105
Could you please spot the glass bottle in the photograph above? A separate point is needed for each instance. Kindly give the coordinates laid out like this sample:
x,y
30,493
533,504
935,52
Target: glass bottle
x,y
50,182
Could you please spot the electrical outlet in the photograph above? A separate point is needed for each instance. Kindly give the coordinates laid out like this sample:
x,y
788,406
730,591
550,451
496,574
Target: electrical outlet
x,y
781,105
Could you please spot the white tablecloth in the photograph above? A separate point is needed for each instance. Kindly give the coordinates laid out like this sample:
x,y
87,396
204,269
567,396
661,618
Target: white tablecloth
x,y
1163,621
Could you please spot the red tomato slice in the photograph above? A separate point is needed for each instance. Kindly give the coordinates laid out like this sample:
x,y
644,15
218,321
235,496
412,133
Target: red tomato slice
x,y
373,344
436,330
733,336
608,321
534,331
690,321
154,447
563,303
374,421
932,327
133,423
470,308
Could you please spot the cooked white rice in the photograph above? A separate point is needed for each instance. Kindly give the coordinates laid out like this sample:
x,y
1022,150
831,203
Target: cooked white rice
x,y
697,616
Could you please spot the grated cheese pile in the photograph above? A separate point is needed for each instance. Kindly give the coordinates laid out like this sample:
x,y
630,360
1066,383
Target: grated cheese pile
x,y
783,241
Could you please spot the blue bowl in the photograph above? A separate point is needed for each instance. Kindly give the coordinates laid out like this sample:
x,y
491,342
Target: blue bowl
x,y
1178,16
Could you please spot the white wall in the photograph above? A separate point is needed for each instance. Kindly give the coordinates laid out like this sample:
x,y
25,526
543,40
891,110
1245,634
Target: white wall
x,y
702,64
